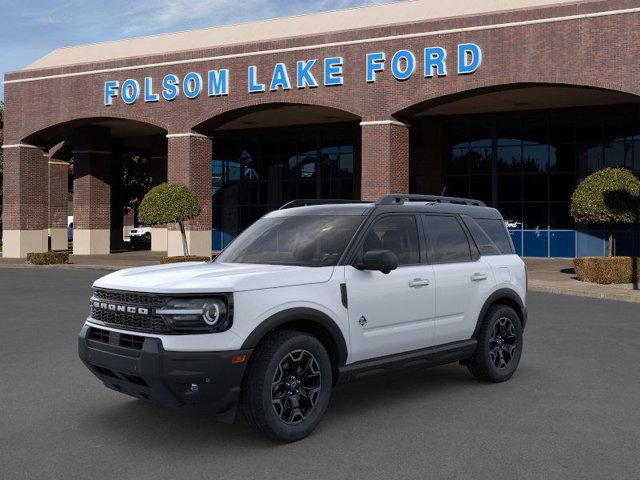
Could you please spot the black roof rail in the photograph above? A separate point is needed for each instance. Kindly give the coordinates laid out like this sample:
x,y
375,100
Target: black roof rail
x,y
302,202
399,199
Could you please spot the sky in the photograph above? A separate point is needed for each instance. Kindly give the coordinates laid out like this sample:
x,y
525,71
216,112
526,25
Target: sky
x,y
29,29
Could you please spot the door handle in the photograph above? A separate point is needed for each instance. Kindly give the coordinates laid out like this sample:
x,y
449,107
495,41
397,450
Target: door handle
x,y
418,282
477,277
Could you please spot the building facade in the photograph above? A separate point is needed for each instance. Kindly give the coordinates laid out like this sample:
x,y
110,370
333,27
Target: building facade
x,y
509,102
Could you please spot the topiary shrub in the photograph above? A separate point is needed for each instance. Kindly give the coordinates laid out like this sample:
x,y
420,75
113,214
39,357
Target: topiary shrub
x,y
607,270
48,258
611,195
170,203
190,258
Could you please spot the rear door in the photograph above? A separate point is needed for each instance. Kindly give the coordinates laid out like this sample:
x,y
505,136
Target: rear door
x,y
463,279
391,313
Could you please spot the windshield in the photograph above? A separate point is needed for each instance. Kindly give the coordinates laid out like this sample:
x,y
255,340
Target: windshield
x,y
310,241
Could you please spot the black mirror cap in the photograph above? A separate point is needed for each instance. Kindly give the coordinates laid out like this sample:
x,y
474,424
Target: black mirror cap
x,y
382,260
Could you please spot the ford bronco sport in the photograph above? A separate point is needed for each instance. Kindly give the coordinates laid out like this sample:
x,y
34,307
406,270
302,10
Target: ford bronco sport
x,y
313,294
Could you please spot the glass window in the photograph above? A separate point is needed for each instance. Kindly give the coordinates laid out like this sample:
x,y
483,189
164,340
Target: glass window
x,y
398,234
497,232
510,159
535,215
312,241
485,245
448,242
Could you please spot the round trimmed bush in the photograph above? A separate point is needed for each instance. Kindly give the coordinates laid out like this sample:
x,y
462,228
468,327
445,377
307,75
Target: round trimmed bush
x,y
611,195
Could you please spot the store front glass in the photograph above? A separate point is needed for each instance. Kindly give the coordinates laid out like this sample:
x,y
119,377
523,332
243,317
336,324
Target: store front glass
x,y
528,164
255,171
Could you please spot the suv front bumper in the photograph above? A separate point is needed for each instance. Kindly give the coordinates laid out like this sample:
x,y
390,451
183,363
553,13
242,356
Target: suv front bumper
x,y
139,366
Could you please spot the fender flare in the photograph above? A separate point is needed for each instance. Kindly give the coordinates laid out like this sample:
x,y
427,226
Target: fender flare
x,y
300,314
502,294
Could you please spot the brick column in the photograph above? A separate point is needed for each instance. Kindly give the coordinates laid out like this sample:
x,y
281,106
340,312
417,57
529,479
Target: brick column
x,y
58,191
385,158
159,175
25,212
189,164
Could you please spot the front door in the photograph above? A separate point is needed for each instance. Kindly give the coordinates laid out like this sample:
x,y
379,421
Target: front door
x,y
391,313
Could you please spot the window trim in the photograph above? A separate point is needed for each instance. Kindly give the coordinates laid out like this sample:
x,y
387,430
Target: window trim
x,y
355,249
474,254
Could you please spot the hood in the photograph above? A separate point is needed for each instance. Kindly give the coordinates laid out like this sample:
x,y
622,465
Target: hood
x,y
201,277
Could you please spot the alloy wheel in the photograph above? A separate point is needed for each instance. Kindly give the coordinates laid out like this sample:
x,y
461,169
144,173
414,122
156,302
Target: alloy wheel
x,y
502,343
296,386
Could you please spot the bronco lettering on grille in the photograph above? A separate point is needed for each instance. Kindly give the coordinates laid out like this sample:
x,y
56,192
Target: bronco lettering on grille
x,y
120,308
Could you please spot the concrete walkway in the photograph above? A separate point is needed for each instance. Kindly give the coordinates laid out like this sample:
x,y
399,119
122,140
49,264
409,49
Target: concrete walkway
x,y
558,276
545,274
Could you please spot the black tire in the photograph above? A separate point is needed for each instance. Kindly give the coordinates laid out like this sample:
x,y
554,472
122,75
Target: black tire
x,y
270,392
499,345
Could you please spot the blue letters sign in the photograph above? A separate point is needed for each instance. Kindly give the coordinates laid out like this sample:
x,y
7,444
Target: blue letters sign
x,y
308,73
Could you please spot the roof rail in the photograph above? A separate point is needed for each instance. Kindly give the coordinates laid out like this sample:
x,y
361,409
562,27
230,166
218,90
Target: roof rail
x,y
399,199
302,202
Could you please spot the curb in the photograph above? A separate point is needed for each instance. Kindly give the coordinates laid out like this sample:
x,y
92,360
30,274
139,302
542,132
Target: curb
x,y
64,266
629,297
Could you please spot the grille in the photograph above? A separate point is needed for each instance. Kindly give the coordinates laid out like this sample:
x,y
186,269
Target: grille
x,y
130,321
131,341
148,300
99,335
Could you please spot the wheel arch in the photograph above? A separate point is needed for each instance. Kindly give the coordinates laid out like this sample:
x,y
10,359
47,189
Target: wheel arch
x,y
503,296
309,321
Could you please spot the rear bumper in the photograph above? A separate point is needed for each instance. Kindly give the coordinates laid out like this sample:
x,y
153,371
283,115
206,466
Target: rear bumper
x,y
140,367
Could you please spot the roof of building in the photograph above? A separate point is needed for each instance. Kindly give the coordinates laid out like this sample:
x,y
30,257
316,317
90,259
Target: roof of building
x,y
286,27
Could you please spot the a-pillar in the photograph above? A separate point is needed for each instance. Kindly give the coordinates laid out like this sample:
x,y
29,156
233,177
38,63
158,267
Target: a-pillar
x,y
385,158
189,164
92,192
159,175
58,192
25,212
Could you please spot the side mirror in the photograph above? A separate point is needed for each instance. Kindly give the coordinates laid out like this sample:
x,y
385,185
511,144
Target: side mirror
x,y
382,260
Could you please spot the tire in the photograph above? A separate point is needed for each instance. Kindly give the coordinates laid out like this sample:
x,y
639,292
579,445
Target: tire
x,y
499,345
270,394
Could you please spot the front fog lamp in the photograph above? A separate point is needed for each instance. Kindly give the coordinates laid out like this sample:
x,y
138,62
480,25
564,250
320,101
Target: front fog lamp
x,y
195,313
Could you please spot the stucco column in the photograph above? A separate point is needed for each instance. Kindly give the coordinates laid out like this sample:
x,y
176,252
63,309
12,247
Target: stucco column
x,y
25,212
58,191
385,158
158,175
189,164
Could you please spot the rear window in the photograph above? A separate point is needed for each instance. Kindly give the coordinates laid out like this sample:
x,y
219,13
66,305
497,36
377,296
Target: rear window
x,y
494,239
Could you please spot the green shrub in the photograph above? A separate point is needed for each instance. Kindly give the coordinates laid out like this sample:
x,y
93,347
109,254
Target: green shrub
x,y
48,258
190,258
170,203
611,195
607,270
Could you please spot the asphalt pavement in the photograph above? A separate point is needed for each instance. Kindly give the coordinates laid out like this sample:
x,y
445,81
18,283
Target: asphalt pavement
x,y
570,412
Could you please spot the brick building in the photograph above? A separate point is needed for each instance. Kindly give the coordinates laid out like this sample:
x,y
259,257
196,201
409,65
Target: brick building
x,y
511,102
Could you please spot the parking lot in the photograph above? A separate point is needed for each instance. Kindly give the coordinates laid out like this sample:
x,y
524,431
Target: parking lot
x,y
571,411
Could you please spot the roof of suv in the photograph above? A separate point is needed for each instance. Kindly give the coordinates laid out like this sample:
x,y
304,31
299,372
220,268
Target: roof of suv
x,y
365,208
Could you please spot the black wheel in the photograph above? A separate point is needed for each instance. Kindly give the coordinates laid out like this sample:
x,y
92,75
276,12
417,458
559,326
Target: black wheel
x,y
499,345
287,386
147,236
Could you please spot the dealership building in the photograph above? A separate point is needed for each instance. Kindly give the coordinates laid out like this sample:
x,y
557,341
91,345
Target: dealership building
x,y
511,102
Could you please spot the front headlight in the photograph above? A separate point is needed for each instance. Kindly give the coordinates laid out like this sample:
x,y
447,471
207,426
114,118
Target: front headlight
x,y
197,314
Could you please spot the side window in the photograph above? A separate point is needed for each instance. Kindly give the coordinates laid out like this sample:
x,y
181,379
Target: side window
x,y
398,234
497,231
485,245
447,241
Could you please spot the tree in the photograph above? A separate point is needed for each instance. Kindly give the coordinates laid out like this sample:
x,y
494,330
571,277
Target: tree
x,y
611,195
170,203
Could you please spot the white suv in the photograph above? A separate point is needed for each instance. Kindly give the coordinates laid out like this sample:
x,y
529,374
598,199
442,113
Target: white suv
x,y
313,294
